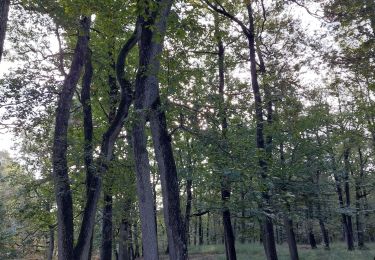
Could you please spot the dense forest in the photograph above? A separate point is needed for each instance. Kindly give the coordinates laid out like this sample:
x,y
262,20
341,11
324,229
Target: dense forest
x,y
187,129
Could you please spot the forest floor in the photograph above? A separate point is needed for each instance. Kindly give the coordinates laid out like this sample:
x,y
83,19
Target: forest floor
x,y
256,252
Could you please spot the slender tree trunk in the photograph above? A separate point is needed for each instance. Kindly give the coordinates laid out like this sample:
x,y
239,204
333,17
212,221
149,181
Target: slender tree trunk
x,y
200,230
324,233
349,240
320,215
4,9
349,233
135,233
189,194
106,249
290,236
359,194
312,240
208,229
51,243
267,225
107,226
195,231
123,253
288,222
225,183
88,128
59,159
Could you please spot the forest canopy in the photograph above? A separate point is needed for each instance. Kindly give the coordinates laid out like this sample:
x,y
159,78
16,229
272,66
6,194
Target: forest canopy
x,y
187,129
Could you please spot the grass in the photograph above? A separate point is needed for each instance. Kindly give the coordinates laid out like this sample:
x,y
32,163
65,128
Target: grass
x,y
256,252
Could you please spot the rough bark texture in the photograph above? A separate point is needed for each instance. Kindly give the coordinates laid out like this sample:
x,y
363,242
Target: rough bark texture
x,y
170,189
147,98
88,128
59,160
4,9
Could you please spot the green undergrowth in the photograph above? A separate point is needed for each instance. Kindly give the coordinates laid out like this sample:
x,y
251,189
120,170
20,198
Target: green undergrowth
x,y
256,252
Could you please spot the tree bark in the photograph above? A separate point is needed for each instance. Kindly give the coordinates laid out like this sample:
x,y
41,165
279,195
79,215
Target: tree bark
x,y
87,125
124,237
291,238
51,243
59,160
349,234
268,232
106,248
4,10
147,98
358,196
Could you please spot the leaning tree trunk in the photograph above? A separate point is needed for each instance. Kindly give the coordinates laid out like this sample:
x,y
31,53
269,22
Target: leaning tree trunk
x,y
82,248
147,98
267,225
59,159
4,9
290,236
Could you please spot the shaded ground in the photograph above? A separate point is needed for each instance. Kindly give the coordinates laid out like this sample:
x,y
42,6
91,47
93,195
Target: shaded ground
x,y
256,252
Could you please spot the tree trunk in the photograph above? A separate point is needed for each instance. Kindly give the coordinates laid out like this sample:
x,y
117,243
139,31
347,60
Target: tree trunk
x,y
225,183
324,234
59,160
106,249
51,243
312,240
124,236
268,232
88,128
145,196
107,226
349,233
291,238
147,97
82,248
168,173
135,233
358,195
349,240
4,9
200,230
